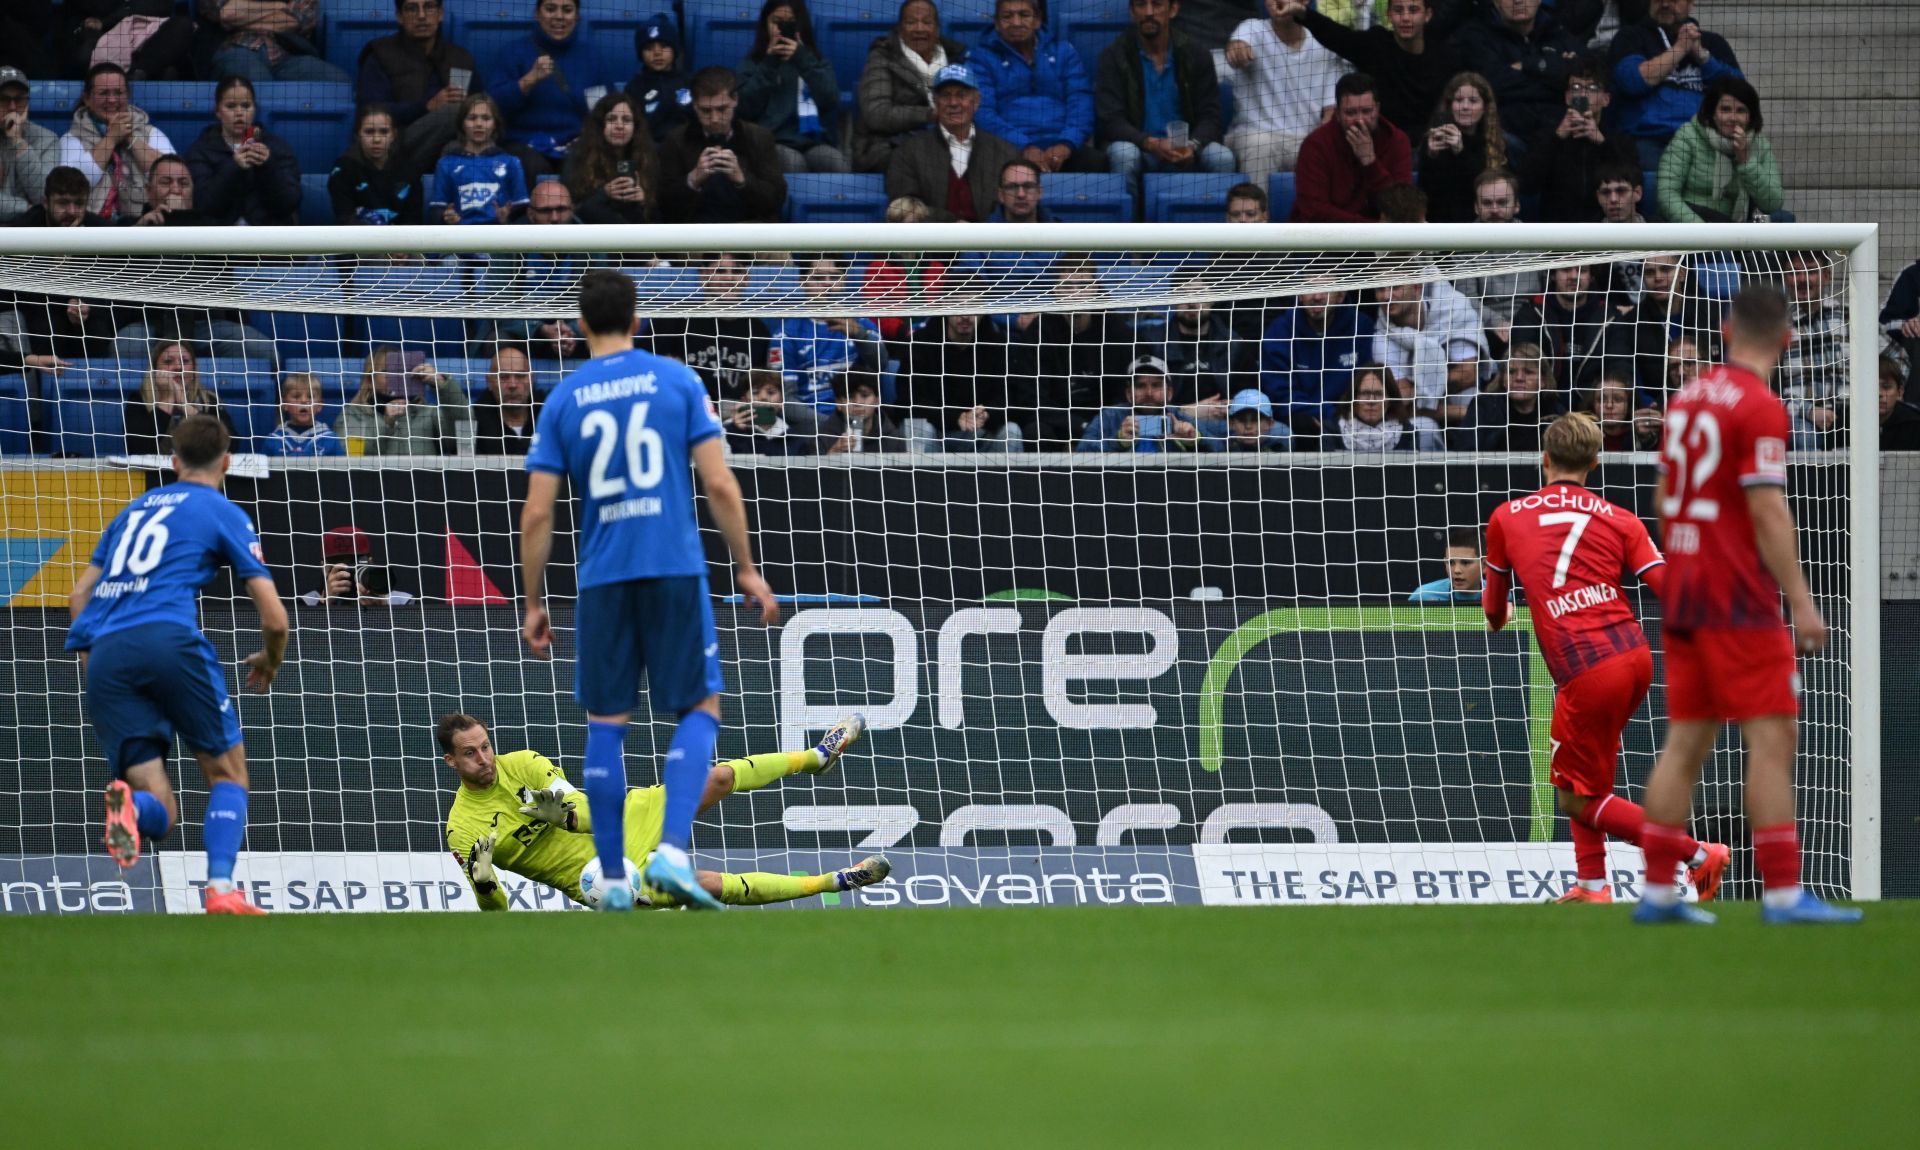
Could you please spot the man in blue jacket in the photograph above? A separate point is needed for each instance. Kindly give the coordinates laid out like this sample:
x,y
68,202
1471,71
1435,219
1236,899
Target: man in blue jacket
x,y
543,82
1034,90
1308,355
1659,68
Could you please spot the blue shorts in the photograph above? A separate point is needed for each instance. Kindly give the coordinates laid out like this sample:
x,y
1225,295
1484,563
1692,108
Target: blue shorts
x,y
146,683
662,625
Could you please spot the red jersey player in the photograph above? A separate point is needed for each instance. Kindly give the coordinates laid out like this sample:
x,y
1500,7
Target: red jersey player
x,y
1729,536
1569,547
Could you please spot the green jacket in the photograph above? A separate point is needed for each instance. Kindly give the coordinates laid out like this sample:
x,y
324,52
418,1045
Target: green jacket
x,y
1688,178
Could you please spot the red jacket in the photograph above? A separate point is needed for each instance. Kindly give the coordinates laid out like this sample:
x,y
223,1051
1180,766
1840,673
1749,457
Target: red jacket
x,y
1332,187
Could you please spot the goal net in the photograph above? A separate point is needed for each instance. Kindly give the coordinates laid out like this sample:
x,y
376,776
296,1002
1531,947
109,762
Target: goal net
x,y
1154,569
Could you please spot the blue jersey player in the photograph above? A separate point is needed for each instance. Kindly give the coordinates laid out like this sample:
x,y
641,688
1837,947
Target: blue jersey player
x,y
150,672
623,429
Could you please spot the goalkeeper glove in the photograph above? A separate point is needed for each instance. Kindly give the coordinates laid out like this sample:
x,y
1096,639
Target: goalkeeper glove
x,y
549,806
479,866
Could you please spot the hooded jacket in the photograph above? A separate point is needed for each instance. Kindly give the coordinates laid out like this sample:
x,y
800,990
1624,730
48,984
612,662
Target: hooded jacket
x,y
1047,102
556,105
1120,99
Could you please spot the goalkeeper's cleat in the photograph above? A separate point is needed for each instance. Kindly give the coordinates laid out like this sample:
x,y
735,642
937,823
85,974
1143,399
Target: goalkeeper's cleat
x,y
123,825
840,736
674,877
1654,914
230,902
1705,878
1810,911
866,872
617,896
1578,893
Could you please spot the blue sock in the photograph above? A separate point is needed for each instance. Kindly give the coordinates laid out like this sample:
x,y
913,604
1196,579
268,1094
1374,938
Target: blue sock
x,y
151,815
226,826
689,758
604,774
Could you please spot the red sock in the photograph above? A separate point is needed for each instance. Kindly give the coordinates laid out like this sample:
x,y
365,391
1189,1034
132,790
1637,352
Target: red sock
x,y
1615,816
1589,851
1776,850
1665,847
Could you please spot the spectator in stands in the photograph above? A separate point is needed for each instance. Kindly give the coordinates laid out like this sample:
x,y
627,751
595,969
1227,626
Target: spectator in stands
x,y
1370,416
1517,406
663,88
1497,297
818,356
1899,420
1018,201
1348,160
899,276
1308,355
724,344
299,435
716,169
152,39
1150,81
1035,91
1464,575
113,145
170,196
57,329
1617,192
1251,426
1205,363
1410,60
1430,334
1569,323
242,173
787,87
1564,164
1719,166
612,170
371,183
1525,55
1246,204
1900,315
1403,204
546,83
476,182
1812,378
896,96
954,169
1683,363
956,383
504,417
1622,427
1250,318
27,150
269,40
860,425
1660,66
171,392
391,413
1063,359
1463,140
757,423
1147,420
1282,88
1666,305
557,337
421,77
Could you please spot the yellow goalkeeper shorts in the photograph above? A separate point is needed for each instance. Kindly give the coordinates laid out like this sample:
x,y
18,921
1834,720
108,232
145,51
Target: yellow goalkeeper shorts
x,y
646,807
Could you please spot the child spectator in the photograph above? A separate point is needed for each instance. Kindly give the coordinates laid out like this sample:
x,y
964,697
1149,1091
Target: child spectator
x,y
242,173
903,275
1621,427
1899,420
662,88
1522,400
758,425
612,170
476,182
816,356
1250,425
370,182
787,87
860,426
1464,140
298,436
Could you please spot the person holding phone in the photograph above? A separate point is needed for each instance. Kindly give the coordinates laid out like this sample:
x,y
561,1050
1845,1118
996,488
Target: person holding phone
x,y
789,88
242,173
720,169
420,76
404,406
1563,164
1147,421
757,423
612,170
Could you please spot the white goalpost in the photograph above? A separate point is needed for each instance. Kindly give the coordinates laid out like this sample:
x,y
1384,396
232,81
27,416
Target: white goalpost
x,y
1166,654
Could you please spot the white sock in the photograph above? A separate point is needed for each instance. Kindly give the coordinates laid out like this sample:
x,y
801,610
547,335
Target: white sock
x,y
1699,855
1593,884
673,854
220,885
1780,897
1660,894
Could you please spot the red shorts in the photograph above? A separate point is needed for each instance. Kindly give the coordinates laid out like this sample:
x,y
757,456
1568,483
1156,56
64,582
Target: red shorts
x,y
1728,675
1589,712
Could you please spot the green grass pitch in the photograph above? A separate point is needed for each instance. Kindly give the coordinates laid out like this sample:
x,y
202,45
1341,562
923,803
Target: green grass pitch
x,y
1513,1026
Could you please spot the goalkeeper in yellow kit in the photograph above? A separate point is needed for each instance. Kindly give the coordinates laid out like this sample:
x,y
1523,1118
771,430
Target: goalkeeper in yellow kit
x,y
517,811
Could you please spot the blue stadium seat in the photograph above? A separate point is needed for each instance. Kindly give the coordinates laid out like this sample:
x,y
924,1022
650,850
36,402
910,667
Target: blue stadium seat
x,y
847,35
966,20
438,336
1281,191
547,374
51,104
315,118
1188,197
352,24
856,197
721,31
315,326
1716,277
316,203
1086,197
90,416
16,422
182,109
1091,31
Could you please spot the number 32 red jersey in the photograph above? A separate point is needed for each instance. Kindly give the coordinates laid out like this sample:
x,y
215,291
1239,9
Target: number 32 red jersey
x,y
1569,548
1725,432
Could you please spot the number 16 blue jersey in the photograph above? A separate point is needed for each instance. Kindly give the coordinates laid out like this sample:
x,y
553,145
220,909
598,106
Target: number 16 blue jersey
x,y
623,428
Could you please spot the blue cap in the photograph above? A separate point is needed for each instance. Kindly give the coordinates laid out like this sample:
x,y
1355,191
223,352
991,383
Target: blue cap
x,y
954,74
1250,399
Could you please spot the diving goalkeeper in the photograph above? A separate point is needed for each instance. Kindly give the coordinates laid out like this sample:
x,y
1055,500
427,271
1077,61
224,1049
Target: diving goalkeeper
x,y
517,811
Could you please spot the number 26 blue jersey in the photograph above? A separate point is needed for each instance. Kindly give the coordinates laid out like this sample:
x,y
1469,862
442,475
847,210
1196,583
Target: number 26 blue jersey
x,y
623,428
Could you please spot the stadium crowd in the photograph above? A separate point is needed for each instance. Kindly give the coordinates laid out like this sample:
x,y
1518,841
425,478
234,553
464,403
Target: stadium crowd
x,y
1480,111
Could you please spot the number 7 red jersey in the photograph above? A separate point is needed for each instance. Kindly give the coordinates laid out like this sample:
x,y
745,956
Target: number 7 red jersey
x,y
1569,549
1725,432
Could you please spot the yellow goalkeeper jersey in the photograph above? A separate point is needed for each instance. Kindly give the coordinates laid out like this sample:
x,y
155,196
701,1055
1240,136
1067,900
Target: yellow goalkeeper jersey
x,y
522,844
